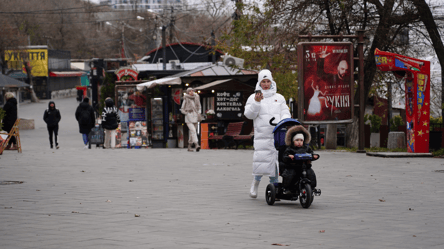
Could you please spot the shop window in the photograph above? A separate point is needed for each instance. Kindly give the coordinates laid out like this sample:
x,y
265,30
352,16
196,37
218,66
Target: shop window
x,y
207,104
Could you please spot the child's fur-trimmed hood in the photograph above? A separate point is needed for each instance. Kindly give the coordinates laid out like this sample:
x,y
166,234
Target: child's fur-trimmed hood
x,y
295,130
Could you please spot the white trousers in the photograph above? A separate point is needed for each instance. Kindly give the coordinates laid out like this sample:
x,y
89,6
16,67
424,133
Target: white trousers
x,y
110,136
192,127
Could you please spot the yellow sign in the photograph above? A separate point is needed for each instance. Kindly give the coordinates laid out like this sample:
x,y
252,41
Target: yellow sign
x,y
37,59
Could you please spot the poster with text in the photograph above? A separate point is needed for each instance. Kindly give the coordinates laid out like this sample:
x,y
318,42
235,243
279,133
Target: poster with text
x,y
229,105
327,77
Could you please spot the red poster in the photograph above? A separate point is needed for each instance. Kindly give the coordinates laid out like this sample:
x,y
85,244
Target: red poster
x,y
327,77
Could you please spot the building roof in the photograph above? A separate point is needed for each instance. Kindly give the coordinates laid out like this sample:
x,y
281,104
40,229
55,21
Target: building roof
x,y
6,81
183,43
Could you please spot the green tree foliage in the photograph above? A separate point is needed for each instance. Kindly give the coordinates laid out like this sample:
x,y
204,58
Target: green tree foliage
x,y
375,122
2,115
254,39
107,90
395,122
435,120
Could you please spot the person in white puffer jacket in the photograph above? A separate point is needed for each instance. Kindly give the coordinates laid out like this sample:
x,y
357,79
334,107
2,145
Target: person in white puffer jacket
x,y
261,107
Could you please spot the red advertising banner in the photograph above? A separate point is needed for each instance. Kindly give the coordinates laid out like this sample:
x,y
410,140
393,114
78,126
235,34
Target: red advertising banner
x,y
326,82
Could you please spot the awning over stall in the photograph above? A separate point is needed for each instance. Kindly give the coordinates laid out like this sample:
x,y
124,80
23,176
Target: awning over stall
x,y
6,81
66,74
163,81
209,85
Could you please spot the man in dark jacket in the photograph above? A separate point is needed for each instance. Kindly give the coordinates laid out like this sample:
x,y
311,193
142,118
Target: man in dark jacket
x,y
86,118
110,122
10,109
52,118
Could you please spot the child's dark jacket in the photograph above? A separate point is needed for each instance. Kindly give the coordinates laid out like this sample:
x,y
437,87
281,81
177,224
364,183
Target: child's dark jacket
x,y
291,149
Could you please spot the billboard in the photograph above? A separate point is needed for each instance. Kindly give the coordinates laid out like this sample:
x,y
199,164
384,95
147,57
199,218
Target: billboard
x,y
325,82
37,58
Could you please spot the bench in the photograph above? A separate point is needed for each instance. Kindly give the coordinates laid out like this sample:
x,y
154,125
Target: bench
x,y
233,129
242,139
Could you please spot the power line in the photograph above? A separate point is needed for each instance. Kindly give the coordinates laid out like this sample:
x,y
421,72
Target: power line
x,y
52,10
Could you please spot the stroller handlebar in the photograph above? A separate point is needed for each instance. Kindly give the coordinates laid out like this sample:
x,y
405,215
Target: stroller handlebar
x,y
271,121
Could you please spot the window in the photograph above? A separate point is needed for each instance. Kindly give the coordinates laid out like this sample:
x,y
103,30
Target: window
x,y
207,104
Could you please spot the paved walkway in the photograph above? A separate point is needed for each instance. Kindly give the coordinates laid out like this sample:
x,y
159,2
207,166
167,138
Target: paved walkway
x,y
75,198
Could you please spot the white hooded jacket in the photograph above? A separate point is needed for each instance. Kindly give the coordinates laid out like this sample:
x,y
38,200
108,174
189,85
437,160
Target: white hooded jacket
x,y
273,104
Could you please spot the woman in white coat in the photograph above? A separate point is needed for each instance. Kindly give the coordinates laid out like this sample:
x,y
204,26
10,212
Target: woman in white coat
x,y
261,107
191,108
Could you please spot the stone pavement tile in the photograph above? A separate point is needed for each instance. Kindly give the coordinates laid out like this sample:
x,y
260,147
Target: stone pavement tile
x,y
200,200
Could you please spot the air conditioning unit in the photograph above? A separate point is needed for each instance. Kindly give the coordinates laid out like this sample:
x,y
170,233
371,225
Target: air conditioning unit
x,y
233,61
175,64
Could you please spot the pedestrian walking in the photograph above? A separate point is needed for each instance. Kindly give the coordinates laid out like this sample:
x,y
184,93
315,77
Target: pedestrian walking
x,y
191,108
86,119
52,118
10,117
110,122
261,106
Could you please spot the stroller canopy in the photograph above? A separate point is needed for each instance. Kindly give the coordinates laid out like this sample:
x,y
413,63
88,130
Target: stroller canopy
x,y
285,123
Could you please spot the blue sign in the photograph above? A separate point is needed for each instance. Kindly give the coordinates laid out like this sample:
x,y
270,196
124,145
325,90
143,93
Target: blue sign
x,y
136,114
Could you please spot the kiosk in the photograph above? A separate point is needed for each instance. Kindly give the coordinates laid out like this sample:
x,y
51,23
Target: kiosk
x,y
417,95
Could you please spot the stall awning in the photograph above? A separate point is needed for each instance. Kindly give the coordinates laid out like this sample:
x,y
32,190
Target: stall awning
x,y
6,81
163,81
209,85
66,74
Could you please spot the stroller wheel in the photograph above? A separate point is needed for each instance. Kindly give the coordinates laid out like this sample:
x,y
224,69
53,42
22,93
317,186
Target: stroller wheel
x,y
270,194
306,196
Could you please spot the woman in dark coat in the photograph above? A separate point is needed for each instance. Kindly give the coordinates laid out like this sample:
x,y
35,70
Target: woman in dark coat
x,y
10,109
86,118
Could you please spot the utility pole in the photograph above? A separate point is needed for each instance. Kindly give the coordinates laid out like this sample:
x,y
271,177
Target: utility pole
x,y
172,25
163,46
389,103
213,44
122,54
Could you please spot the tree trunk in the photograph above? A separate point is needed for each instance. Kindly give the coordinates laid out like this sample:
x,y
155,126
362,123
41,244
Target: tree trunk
x,y
427,18
28,72
331,138
352,133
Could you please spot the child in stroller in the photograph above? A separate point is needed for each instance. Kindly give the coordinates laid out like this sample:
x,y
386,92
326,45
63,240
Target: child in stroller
x,y
297,139
291,140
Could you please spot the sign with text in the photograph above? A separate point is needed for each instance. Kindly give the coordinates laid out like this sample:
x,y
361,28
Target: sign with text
x,y
126,74
136,114
37,60
229,105
326,82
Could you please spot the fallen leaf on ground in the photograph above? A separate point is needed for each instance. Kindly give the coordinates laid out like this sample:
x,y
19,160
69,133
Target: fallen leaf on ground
x,y
75,212
322,231
137,215
348,176
108,201
277,244
381,200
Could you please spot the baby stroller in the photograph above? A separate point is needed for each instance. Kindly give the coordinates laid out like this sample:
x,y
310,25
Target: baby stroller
x,y
302,189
